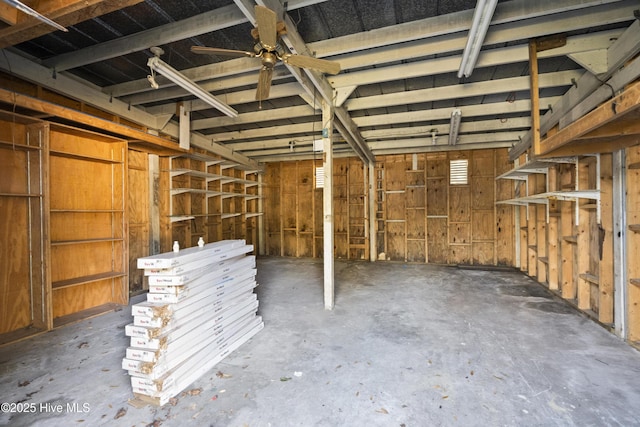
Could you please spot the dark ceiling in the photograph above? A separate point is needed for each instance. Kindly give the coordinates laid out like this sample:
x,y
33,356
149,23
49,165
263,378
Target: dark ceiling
x,y
397,86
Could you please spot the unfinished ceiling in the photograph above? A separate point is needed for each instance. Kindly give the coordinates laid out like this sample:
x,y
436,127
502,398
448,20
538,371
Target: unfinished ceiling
x,y
395,94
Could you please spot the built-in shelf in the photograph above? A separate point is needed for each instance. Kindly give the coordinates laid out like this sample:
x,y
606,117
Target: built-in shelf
x,y
635,281
84,211
634,165
634,227
591,278
16,146
230,215
86,279
77,156
20,195
570,239
252,214
540,166
81,241
543,259
178,218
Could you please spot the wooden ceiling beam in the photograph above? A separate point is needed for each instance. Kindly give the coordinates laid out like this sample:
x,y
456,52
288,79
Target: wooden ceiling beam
x,y
63,12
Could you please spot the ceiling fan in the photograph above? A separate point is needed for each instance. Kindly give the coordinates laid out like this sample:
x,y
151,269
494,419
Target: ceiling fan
x,y
269,50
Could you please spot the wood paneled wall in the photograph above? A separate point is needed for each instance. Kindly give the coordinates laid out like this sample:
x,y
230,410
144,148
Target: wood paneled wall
x,y
420,216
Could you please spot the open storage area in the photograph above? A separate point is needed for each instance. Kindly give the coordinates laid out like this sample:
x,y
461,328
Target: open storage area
x,y
439,199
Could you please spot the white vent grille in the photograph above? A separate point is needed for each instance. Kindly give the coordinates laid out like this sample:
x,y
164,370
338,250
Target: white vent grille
x,y
319,177
458,172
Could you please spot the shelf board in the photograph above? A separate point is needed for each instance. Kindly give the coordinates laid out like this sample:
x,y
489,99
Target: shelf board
x,y
394,220
540,166
77,156
635,228
635,281
589,206
570,239
178,218
16,146
209,177
395,191
635,165
85,314
230,215
83,211
20,195
81,241
86,279
591,278
253,214
543,259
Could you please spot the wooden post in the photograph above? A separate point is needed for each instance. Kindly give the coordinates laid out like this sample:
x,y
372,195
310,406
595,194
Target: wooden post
x,y
552,233
372,194
535,96
605,274
327,196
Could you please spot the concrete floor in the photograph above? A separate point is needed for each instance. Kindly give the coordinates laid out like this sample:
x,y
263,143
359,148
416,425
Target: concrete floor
x,y
407,345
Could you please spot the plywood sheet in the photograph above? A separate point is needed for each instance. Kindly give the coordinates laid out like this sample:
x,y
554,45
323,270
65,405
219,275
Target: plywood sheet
x,y
459,233
460,254
482,253
15,295
72,300
483,192
437,240
459,204
396,241
483,225
437,196
416,251
437,165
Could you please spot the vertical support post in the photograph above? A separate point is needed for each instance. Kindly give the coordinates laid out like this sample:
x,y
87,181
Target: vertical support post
x,y
373,254
535,96
185,128
261,232
154,204
619,202
327,205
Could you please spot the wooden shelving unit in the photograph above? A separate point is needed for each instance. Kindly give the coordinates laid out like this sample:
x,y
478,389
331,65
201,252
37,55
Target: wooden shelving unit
x,y
25,306
561,207
88,246
211,198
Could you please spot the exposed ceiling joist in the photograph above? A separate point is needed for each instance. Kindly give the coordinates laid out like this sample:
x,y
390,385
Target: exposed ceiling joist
x,y
63,12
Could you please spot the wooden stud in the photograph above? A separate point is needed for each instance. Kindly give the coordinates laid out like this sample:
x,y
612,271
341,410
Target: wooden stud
x,y
605,269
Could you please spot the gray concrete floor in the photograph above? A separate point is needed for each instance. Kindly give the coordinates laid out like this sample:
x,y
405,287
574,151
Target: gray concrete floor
x,y
406,345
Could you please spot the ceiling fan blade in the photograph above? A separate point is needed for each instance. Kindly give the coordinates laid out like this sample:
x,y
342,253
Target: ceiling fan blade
x,y
264,83
267,30
322,65
222,52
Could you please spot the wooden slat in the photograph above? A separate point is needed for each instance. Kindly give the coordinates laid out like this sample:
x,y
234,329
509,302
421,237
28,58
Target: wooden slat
x,y
606,264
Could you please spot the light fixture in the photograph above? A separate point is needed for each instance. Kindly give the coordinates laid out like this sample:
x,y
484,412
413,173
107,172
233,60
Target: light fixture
x,y
454,128
26,9
479,26
158,65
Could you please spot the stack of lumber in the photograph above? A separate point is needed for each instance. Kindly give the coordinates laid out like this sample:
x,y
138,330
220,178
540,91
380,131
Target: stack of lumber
x,y
200,307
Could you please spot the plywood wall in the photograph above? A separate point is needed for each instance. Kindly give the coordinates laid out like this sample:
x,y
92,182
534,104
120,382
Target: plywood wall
x,y
419,216
139,217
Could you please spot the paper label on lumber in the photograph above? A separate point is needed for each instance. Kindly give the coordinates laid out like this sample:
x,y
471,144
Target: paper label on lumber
x,y
173,259
193,263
